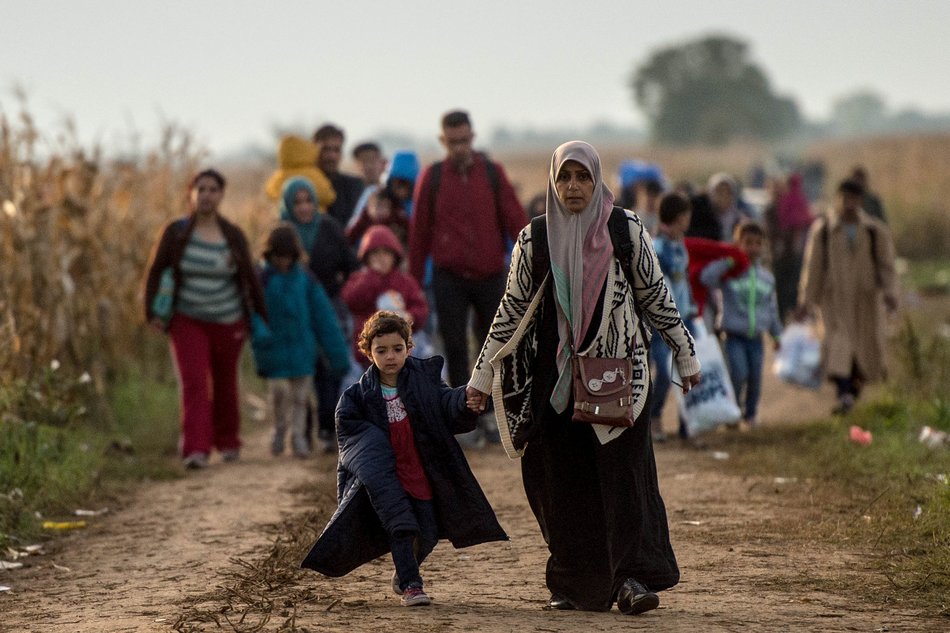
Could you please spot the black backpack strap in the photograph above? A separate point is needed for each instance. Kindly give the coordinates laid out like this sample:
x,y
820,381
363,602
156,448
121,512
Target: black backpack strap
x,y
619,228
494,180
435,179
540,256
872,236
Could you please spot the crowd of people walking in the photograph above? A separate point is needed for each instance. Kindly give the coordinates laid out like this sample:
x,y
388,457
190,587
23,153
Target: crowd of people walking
x,y
586,313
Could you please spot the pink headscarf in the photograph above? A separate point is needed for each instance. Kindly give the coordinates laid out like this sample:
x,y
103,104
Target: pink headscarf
x,y
793,208
581,254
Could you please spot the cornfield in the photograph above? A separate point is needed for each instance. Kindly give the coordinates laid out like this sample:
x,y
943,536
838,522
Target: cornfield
x,y
76,226
75,234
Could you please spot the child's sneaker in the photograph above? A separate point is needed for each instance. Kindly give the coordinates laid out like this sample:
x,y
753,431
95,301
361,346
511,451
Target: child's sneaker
x,y
415,597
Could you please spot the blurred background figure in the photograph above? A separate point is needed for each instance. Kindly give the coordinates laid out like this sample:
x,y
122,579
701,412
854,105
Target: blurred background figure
x,y
872,203
329,140
787,218
296,156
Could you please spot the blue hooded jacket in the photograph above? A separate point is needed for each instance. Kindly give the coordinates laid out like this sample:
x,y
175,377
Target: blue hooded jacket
x,y
303,325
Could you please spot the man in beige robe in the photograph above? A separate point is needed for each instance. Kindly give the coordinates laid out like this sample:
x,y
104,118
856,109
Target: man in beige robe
x,y
848,275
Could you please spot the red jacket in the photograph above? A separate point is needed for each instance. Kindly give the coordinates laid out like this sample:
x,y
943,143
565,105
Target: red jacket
x,y
462,233
365,290
702,252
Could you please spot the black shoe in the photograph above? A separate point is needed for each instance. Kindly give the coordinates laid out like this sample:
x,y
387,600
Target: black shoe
x,y
559,603
634,598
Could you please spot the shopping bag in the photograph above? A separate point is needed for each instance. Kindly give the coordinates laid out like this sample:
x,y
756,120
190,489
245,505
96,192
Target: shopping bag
x,y
712,402
798,361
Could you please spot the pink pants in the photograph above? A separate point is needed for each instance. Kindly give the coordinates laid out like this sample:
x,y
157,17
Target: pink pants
x,y
206,357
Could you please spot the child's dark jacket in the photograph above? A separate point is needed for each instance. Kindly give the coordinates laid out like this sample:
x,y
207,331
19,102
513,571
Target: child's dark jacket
x,y
372,502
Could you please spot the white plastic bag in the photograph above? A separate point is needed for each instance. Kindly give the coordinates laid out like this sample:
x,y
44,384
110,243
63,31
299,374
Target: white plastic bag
x,y
712,402
798,361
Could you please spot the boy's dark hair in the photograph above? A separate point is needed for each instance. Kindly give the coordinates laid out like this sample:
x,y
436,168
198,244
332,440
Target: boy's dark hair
x,y
326,131
672,206
748,227
284,241
455,118
651,186
852,186
213,174
368,146
381,323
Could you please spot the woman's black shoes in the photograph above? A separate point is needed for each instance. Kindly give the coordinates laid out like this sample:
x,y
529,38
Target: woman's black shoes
x,y
559,603
634,598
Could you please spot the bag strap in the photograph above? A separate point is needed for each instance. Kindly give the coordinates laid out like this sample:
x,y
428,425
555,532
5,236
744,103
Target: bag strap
x,y
494,180
872,238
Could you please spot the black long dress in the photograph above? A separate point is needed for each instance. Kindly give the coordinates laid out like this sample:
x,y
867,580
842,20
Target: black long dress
x,y
598,506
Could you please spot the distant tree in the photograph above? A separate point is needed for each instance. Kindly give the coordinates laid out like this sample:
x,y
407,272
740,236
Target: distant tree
x,y
709,91
861,112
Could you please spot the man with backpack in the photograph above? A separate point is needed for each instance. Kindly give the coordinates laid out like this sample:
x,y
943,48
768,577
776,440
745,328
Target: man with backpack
x,y
465,215
848,275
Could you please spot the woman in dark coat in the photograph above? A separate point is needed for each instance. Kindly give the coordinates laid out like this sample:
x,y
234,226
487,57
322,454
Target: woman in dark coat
x,y
592,487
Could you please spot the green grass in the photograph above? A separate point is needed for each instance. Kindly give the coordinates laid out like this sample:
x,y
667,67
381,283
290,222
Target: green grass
x,y
931,276
63,451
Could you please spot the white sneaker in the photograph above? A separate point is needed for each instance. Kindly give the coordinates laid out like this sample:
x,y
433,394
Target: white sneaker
x,y
195,461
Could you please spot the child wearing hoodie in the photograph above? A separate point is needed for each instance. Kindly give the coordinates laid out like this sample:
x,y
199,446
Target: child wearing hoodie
x,y
302,326
389,205
382,285
749,308
331,260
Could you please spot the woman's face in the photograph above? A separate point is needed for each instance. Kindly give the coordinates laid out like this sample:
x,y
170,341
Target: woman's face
x,y
575,186
304,208
206,195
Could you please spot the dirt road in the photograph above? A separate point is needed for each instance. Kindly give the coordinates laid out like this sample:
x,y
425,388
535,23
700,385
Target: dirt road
x,y
152,563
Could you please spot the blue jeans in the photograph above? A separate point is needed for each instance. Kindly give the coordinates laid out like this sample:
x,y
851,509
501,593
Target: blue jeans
x,y
662,357
410,548
745,356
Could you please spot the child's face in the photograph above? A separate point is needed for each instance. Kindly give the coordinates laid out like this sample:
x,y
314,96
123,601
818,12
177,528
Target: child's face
x,y
401,188
304,207
283,263
751,245
381,260
389,353
382,207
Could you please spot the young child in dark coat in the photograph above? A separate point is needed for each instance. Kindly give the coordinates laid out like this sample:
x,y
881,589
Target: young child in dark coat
x,y
403,481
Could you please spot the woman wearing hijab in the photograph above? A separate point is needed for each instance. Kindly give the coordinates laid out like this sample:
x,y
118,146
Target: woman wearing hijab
x,y
332,261
592,487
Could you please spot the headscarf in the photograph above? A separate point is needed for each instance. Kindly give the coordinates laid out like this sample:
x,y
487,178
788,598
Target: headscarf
x,y
308,231
581,254
793,209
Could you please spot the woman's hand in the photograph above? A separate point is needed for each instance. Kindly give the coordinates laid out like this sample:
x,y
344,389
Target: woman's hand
x,y
475,399
691,381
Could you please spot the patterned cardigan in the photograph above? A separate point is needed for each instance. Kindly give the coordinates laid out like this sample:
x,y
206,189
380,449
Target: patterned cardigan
x,y
505,365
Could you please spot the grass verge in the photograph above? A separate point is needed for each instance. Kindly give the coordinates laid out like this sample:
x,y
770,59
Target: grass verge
x,y
58,455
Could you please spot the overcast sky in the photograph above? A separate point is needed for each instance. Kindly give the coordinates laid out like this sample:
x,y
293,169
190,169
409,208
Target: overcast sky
x,y
230,71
